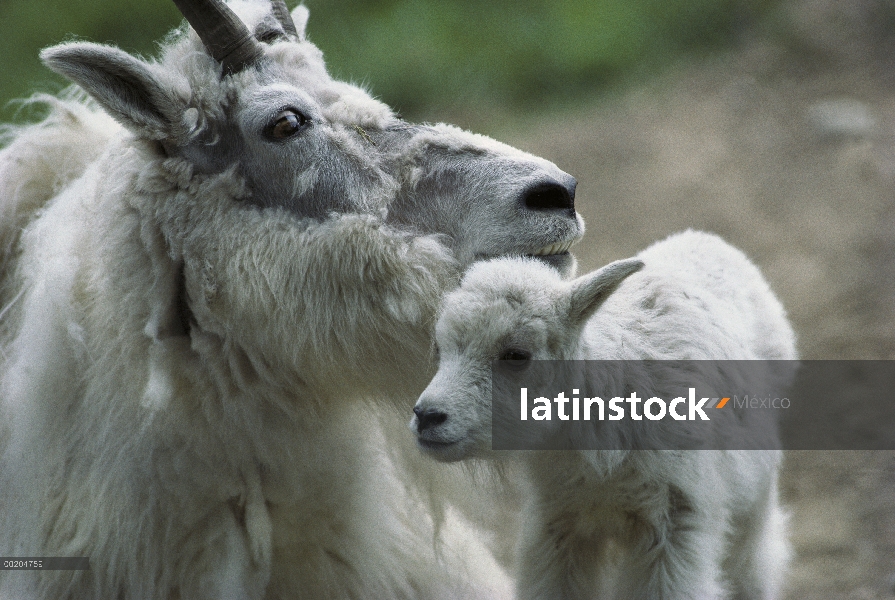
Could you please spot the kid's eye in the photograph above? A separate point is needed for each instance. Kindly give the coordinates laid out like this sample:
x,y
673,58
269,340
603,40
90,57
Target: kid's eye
x,y
286,124
516,357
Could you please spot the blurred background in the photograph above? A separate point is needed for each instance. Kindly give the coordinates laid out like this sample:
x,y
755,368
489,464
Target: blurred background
x,y
770,122
421,56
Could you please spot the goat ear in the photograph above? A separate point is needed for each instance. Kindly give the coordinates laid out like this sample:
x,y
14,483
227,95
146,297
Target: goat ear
x,y
123,85
591,290
300,16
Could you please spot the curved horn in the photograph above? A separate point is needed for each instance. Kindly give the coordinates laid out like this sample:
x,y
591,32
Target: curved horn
x,y
225,36
282,14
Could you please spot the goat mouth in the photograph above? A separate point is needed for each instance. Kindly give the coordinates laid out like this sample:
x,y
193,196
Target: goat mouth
x,y
447,452
434,444
559,248
549,256
443,451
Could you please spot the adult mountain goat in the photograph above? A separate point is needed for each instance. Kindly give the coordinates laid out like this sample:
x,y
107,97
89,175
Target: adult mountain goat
x,y
197,295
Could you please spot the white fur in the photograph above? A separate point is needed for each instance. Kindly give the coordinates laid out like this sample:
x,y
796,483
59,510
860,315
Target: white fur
x,y
625,524
193,318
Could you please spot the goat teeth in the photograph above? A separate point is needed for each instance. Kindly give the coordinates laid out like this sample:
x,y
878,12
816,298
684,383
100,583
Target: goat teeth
x,y
557,248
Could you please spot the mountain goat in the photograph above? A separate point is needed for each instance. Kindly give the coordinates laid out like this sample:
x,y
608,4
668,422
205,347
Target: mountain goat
x,y
200,293
622,523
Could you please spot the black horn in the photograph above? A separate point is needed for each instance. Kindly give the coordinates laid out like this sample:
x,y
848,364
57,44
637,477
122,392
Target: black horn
x,y
282,14
225,36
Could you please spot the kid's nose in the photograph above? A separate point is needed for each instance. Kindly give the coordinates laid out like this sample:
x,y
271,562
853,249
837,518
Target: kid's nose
x,y
428,417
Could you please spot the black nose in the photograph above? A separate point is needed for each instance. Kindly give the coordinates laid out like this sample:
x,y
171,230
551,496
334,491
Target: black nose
x,y
429,417
550,195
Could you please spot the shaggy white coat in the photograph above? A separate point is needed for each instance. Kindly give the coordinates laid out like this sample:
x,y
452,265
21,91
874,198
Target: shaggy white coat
x,y
184,364
200,466
623,524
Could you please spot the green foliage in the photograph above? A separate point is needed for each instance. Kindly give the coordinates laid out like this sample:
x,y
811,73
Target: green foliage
x,y
418,53
26,27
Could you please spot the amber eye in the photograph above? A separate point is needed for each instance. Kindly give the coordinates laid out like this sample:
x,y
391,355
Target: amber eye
x,y
285,125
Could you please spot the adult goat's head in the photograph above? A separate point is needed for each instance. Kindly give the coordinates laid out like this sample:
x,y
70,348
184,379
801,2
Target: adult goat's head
x,y
293,229
251,92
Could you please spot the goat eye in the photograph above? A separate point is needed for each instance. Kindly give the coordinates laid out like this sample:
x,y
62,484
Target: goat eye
x,y
516,357
288,123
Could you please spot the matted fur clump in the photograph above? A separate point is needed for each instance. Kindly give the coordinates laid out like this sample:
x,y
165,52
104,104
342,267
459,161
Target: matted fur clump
x,y
213,304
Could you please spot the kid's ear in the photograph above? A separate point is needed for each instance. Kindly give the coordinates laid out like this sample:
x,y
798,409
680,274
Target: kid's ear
x,y
123,85
591,290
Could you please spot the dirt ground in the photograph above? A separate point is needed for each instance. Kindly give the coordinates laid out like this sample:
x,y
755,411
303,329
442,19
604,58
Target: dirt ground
x,y
787,149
